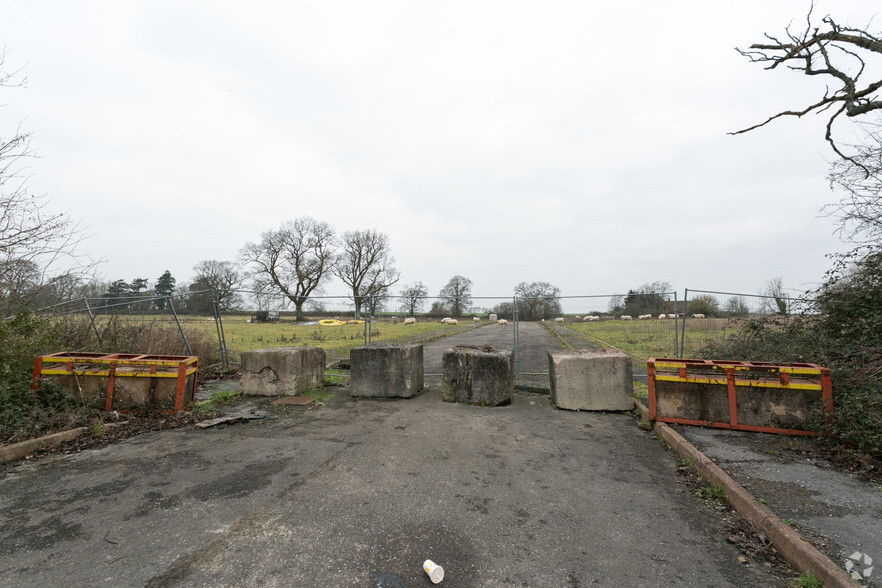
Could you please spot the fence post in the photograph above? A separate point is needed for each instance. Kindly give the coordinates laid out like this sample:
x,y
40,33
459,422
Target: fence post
x,y
514,319
219,324
370,317
676,333
180,328
92,319
367,321
683,330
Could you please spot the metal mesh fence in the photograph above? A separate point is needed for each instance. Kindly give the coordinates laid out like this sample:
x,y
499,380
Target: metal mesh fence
x,y
156,325
710,315
643,325
432,322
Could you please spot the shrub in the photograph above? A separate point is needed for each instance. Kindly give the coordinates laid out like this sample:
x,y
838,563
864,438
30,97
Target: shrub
x,y
843,331
24,413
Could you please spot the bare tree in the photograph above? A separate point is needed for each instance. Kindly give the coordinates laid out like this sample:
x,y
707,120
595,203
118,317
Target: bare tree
x,y
294,259
457,294
775,301
538,300
838,53
365,265
413,297
736,305
222,278
36,246
859,180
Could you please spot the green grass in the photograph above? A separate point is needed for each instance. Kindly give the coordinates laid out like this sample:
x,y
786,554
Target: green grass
x,y
640,339
807,580
241,335
653,338
224,397
321,396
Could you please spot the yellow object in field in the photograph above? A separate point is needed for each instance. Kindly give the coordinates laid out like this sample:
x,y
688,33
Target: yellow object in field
x,y
336,323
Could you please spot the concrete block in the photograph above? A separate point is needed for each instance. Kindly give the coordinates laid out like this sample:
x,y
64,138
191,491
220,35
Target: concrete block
x,y
591,379
478,377
388,371
282,370
492,318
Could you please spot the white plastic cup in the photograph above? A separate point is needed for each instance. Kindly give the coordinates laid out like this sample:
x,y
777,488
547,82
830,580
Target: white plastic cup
x,y
436,572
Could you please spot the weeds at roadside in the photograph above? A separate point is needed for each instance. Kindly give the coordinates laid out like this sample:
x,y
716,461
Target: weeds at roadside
x,y
641,390
335,377
321,397
98,428
807,580
223,397
712,493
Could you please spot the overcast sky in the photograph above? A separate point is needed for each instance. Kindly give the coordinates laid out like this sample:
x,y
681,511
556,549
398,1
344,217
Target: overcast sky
x,y
579,143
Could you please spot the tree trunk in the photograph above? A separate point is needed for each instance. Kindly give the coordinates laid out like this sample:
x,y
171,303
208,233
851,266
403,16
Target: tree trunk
x,y
298,305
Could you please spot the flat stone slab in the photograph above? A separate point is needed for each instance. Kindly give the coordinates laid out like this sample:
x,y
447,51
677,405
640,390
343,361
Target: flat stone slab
x,y
591,379
386,371
282,371
477,376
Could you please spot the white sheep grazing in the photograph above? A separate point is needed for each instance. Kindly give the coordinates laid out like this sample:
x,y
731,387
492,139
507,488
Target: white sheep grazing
x,y
593,318
697,316
410,321
476,319
643,317
587,318
447,320
559,320
452,322
501,322
626,317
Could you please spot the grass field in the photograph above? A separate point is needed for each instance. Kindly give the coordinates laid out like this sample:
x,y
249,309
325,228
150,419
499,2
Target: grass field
x,y
335,340
640,339
653,338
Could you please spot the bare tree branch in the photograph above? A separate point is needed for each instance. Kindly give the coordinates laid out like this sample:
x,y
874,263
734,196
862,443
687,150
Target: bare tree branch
x,y
33,241
838,52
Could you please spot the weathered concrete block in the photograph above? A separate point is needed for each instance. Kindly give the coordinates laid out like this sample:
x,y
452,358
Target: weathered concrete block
x,y
492,318
591,379
282,370
477,377
388,371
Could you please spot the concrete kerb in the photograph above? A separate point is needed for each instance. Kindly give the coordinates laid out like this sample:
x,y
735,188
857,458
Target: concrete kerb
x,y
790,544
19,450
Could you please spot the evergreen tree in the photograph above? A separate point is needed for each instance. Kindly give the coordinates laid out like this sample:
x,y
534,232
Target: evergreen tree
x,y
165,286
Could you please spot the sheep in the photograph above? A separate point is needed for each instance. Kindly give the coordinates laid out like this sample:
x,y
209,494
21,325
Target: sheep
x,y
476,319
452,322
501,322
587,318
559,319
447,320
410,321
662,317
643,317
593,318
626,317
697,316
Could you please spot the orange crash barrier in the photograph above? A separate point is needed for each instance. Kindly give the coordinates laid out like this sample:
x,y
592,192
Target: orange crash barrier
x,y
120,380
744,395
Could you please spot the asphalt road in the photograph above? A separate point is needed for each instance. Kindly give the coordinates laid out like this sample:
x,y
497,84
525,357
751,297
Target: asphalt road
x,y
359,493
535,342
